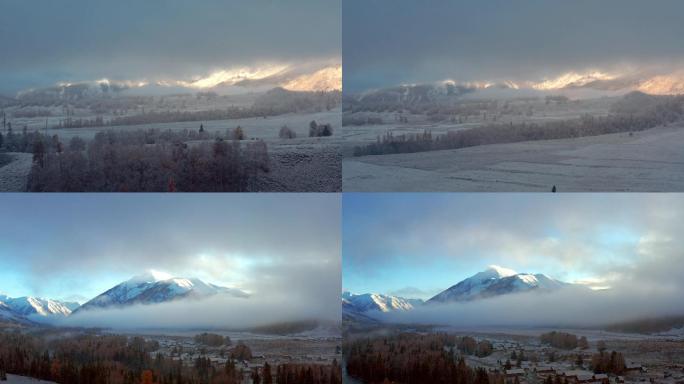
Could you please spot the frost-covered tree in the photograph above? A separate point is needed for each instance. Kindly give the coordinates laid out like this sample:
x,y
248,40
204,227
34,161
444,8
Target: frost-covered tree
x,y
238,133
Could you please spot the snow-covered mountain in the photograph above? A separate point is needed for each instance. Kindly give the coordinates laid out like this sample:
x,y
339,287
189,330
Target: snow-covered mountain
x,y
495,281
155,287
9,316
377,302
326,79
29,310
27,306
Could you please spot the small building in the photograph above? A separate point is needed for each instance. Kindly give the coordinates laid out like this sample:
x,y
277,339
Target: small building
x,y
634,367
515,372
544,371
578,376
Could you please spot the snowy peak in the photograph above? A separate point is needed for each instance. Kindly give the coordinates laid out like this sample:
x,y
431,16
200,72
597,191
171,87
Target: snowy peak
x,y
35,306
157,287
326,79
377,302
150,276
495,281
494,272
30,310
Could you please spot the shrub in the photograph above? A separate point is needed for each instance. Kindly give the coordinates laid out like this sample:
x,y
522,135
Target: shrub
x,y
286,133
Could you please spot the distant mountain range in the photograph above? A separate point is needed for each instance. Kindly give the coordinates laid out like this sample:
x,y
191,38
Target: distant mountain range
x,y
447,92
493,281
377,302
316,79
148,288
29,307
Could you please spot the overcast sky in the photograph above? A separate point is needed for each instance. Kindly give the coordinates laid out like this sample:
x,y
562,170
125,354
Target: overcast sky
x,y
44,41
74,247
389,42
415,245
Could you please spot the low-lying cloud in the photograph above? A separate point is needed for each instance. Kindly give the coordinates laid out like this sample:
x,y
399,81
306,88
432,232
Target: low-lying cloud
x,y
218,312
650,288
570,307
390,42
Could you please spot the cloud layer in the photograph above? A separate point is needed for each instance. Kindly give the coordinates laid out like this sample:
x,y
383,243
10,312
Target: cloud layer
x,y
387,42
44,42
412,242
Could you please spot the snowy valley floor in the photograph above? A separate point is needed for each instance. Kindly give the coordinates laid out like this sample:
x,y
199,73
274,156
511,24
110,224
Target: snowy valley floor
x,y
14,379
651,160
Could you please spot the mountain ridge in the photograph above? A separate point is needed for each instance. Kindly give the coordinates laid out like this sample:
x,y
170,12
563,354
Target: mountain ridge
x,y
496,281
154,288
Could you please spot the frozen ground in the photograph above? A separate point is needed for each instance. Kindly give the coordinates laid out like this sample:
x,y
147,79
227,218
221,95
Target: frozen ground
x,y
13,175
651,160
14,379
302,164
304,167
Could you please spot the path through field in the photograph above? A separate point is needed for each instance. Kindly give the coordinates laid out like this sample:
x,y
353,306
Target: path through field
x,y
14,175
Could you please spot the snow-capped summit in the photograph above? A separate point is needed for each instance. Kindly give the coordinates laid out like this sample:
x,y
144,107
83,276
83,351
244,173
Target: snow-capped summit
x,y
495,281
494,272
157,287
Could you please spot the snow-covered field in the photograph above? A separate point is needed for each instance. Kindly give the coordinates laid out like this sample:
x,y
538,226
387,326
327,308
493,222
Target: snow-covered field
x,y
14,379
651,160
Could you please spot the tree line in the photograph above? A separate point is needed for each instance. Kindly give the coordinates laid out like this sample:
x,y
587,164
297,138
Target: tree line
x,y
660,111
146,160
564,340
117,359
413,358
212,339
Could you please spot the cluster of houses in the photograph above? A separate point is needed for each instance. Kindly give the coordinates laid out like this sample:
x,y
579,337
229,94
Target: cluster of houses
x,y
569,376
187,350
533,372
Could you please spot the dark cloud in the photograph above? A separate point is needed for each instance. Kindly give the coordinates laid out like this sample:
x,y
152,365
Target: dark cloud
x,y
44,41
386,42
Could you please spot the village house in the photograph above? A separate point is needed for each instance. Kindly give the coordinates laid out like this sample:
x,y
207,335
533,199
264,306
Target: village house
x,y
634,367
578,377
514,374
